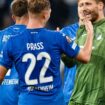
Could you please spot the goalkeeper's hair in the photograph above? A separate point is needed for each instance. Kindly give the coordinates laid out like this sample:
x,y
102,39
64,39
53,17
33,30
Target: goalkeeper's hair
x,y
19,8
103,1
37,6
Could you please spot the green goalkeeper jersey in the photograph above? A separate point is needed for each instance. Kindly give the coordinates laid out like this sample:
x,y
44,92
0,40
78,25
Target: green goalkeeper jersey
x,y
89,86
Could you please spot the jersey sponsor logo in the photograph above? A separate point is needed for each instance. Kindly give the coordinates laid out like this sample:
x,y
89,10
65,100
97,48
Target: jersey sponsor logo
x,y
40,88
10,82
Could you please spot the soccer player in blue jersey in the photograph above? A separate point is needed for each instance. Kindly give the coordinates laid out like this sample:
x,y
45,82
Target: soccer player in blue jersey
x,y
36,54
69,73
9,89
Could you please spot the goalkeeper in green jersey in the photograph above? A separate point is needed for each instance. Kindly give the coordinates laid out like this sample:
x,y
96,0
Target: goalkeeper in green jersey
x,y
89,86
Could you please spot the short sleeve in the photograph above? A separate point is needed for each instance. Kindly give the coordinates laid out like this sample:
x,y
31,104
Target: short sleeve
x,y
69,47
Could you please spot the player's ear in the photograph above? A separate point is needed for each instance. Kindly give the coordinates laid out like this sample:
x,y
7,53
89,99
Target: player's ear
x,y
100,6
14,18
47,14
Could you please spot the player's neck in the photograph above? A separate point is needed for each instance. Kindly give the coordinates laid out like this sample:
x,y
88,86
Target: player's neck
x,y
35,23
101,16
22,20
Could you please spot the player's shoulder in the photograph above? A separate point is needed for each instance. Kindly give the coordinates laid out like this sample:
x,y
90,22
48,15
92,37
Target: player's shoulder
x,y
101,24
7,31
70,27
4,32
53,35
8,28
1,32
15,39
17,28
15,35
53,32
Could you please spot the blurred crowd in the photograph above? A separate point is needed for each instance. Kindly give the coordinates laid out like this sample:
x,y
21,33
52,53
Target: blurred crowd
x,y
64,12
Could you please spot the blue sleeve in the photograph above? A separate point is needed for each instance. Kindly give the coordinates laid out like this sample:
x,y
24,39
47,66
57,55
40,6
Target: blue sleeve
x,y
6,59
71,30
65,31
70,48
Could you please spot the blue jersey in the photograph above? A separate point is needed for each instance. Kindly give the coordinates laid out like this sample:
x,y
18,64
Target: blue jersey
x,y
36,54
69,73
9,87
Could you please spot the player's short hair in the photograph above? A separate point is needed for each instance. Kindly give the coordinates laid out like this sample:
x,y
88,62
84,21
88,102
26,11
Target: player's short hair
x,y
103,1
37,6
19,7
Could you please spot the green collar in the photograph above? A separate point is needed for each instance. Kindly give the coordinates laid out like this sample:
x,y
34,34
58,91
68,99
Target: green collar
x,y
99,22
96,23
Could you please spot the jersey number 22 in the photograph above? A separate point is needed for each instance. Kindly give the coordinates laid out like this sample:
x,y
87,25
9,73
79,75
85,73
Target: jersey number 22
x,y
42,78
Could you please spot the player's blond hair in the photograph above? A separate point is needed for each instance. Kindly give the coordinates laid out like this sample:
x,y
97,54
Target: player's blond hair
x,y
37,6
103,1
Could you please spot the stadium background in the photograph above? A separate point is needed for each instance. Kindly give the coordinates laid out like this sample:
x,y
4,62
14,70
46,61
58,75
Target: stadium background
x,y
64,12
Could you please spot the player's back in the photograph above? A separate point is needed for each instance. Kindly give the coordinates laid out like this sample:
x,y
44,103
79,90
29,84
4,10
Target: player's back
x,y
37,62
9,87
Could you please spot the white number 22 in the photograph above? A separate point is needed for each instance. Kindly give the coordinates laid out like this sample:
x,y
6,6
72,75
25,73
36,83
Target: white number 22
x,y
42,78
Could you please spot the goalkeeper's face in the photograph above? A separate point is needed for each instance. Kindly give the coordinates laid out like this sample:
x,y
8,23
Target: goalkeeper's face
x,y
88,9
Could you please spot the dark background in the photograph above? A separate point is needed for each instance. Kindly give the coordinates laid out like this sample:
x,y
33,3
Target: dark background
x,y
64,12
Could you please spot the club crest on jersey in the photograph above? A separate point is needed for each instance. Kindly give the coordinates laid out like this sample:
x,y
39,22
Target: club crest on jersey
x,y
99,37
